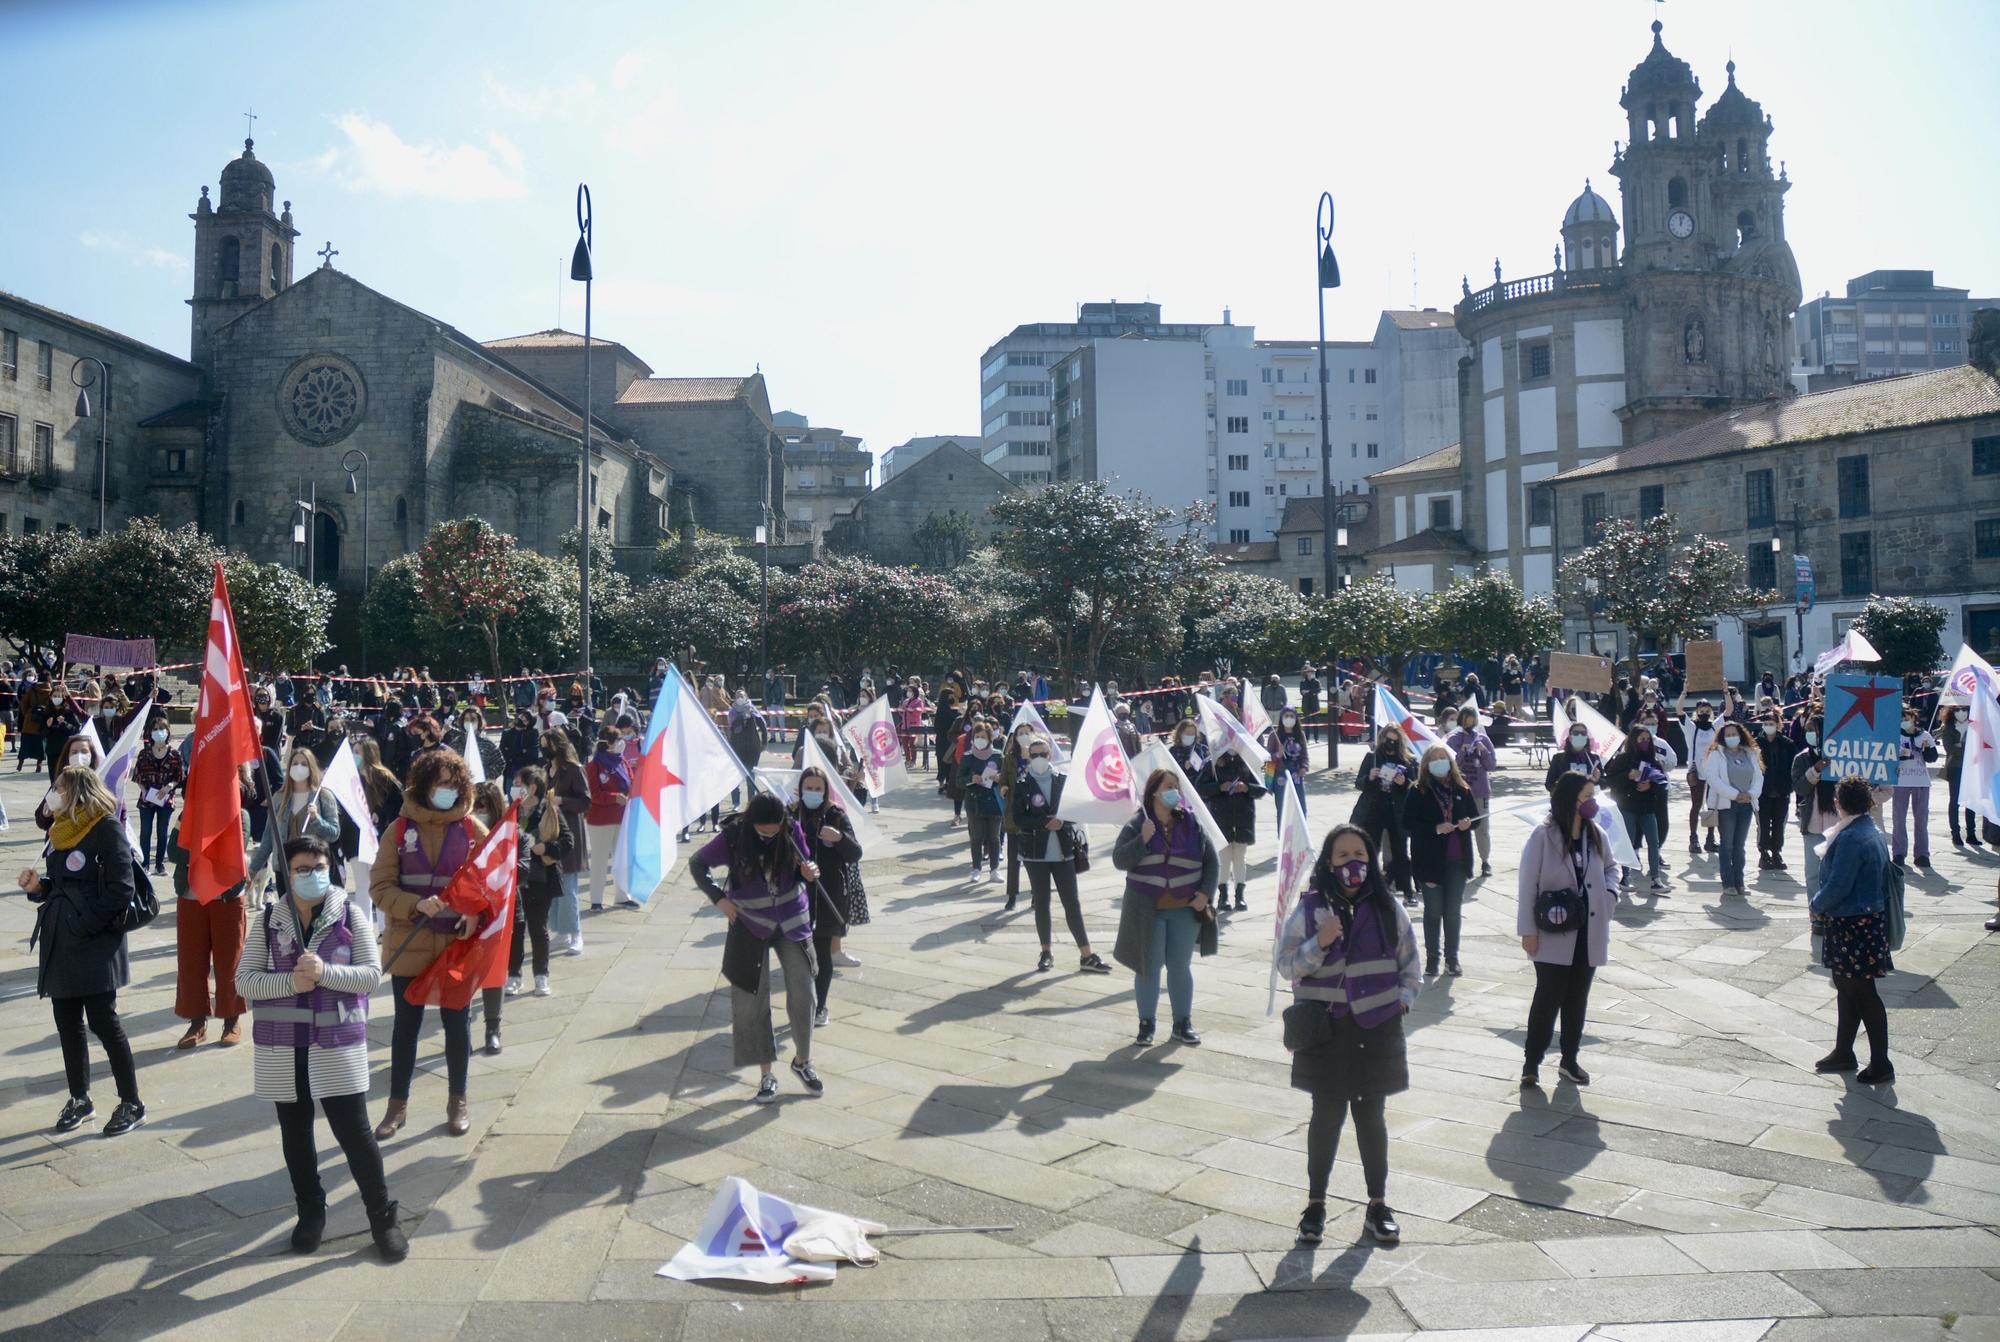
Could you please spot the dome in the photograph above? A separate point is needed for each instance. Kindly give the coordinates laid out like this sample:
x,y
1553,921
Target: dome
x,y
247,183
1734,107
1660,71
1589,208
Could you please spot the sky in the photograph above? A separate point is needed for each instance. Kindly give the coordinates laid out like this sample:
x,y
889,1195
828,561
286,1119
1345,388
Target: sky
x,y
859,198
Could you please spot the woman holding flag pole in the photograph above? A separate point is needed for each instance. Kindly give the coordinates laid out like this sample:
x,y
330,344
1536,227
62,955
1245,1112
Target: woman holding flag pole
x,y
1170,874
831,847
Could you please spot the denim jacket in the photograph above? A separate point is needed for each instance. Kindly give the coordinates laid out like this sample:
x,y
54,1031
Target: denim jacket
x,y
1854,877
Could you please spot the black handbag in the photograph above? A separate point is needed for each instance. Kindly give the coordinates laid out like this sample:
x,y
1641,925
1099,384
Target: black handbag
x,y
1307,1025
1559,911
1080,850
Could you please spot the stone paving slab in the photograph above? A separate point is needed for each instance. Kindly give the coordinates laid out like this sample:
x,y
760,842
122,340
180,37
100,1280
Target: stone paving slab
x,y
1708,1188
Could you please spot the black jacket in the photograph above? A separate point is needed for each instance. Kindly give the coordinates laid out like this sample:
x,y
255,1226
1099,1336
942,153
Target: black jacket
x,y
1561,760
1778,751
834,859
1030,816
84,890
1235,812
1380,805
1422,814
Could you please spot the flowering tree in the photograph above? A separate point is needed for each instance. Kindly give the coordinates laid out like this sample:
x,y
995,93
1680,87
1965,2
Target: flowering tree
x,y
465,580
1374,618
1658,583
1905,631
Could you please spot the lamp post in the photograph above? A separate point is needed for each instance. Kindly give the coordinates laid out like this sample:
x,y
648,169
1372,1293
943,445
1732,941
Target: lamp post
x,y
580,269
1329,278
1799,597
305,533
103,421
348,461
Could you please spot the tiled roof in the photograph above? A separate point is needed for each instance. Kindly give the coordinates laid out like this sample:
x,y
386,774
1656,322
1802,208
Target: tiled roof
x,y
1444,459
1410,320
1936,397
92,328
683,391
553,338
1429,541
1251,552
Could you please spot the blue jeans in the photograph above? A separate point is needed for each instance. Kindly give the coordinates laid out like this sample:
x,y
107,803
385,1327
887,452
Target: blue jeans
x,y
563,918
1735,821
1645,824
1442,907
1279,782
1171,947
153,820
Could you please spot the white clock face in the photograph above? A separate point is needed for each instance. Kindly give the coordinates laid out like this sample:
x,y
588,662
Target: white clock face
x,y
1681,224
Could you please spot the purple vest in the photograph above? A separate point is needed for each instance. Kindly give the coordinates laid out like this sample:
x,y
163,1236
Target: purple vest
x,y
764,914
1170,867
1360,977
420,876
321,1018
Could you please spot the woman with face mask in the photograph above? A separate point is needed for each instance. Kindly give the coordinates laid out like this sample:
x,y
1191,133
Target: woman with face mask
x,y
1775,801
1700,735
309,969
520,744
610,789
1384,780
767,905
1286,744
1170,875
1049,849
304,810
1916,750
1472,751
62,719
1572,754
1734,772
81,897
1439,817
420,854
1189,748
979,783
1352,958
1850,910
1813,782
1013,758
547,836
1230,788
831,846
160,774
469,735
1951,735
571,788
1565,853
1637,776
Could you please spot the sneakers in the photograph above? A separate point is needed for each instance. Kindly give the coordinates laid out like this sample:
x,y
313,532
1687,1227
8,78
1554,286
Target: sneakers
x,y
1145,1037
575,946
1531,1078
1046,963
845,960
808,1078
767,1089
311,1228
1312,1223
1381,1223
390,1241
74,1111
542,985
1659,884
993,875
1836,1061
1878,1073
129,1115
978,874
1570,1070
1184,1032
513,987
1093,964
1451,968
820,1019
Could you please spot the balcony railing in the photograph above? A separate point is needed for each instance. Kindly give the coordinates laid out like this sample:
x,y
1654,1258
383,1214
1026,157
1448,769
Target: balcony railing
x,y
1557,281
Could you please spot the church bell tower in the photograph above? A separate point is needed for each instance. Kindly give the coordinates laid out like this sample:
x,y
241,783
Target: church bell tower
x,y
242,250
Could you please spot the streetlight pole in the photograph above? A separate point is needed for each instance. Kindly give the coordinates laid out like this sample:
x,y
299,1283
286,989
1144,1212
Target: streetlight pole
x,y
347,463
103,421
580,269
764,540
1329,278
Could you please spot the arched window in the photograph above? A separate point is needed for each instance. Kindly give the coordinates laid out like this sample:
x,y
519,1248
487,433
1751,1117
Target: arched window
x,y
1746,227
1606,254
1742,154
1677,193
239,512
1652,122
228,266
277,268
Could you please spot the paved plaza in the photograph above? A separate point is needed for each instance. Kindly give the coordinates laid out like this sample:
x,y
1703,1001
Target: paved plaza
x,y
1707,1186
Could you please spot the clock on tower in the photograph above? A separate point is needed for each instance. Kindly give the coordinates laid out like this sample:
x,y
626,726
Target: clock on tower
x,y
1681,224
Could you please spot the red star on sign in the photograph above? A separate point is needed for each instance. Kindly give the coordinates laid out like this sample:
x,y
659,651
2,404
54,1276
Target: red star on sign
x,y
655,777
1865,699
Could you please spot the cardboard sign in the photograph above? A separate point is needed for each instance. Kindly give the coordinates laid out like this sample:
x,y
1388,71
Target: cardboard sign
x,y
1572,671
126,653
1864,717
1704,668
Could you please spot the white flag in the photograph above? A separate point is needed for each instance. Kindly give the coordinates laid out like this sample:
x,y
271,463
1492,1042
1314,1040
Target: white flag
x,y
1390,712
780,783
1608,820
1979,767
1106,795
857,814
1255,720
1605,738
475,762
1027,712
1852,648
1295,860
1157,756
871,733
753,1236
1968,672
1224,732
343,780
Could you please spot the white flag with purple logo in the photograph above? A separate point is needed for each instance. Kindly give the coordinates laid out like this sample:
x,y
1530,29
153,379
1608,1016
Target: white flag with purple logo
x,y
1027,712
871,733
1224,732
1105,795
1295,859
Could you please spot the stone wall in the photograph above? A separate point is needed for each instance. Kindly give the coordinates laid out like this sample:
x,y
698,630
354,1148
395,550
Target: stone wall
x,y
719,451
950,479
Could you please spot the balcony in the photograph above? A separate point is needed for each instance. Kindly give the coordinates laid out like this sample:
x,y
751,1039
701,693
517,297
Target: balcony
x,y
1297,426
1295,388
1535,286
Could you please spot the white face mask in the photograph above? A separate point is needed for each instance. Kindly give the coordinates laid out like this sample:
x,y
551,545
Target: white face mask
x,y
80,759
55,698
981,743
1187,738
52,799
299,773
1040,766
517,792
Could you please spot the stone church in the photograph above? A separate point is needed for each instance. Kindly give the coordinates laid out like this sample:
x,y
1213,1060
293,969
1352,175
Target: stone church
x,y
319,403
1664,311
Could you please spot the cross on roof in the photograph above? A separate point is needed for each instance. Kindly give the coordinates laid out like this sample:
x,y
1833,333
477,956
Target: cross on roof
x,y
249,124
326,255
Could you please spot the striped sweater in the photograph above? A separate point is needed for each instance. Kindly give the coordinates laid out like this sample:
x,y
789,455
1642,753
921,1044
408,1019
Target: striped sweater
x,y
329,1071
1319,973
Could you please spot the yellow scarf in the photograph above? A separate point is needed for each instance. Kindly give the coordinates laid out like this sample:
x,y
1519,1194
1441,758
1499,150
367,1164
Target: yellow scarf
x,y
69,827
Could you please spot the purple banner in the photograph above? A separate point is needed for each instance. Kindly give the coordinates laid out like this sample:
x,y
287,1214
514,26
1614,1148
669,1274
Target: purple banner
x,y
83,650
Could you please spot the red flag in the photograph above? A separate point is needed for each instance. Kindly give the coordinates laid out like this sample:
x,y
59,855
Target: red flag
x,y
486,884
225,739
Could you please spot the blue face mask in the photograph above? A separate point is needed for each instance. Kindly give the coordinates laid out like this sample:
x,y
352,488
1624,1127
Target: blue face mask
x,y
813,800
310,887
443,798
1439,768
1170,797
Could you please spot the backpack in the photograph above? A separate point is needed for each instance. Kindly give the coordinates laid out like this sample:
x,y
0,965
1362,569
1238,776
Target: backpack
x,y
144,905
1892,906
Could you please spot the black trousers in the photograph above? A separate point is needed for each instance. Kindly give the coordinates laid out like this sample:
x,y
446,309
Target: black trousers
x,y
1564,990
823,934
1061,876
403,1043
101,1010
1013,865
1771,812
1951,811
1371,1133
533,926
984,832
347,1116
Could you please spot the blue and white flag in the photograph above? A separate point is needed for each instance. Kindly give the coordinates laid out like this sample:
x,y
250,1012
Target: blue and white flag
x,y
753,1236
685,768
1979,767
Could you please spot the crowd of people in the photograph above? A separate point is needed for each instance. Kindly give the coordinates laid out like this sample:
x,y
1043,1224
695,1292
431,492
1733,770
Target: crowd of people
x,y
303,942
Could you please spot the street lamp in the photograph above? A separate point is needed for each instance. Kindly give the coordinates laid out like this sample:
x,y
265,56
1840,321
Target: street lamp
x,y
580,269
103,421
305,527
348,462
1328,271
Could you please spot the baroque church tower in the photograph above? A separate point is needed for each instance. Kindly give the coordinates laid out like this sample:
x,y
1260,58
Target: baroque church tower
x,y
242,250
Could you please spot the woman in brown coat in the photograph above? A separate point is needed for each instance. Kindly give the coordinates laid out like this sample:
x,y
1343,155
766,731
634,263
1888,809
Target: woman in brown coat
x,y
571,789
420,853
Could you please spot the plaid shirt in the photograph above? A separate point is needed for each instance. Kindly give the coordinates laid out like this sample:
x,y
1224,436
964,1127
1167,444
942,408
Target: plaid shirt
x,y
151,771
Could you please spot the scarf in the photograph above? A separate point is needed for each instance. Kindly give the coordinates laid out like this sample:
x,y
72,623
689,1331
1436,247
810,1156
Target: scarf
x,y
69,827
1833,834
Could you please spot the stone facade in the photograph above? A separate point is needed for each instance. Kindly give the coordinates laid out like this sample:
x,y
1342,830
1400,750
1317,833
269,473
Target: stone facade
x,y
948,480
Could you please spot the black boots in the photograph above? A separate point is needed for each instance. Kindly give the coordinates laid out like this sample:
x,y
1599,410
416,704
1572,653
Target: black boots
x,y
312,1225
389,1239
1240,905
1184,1031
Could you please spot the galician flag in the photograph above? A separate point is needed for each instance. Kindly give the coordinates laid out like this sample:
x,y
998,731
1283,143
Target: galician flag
x,y
1224,732
1295,859
343,780
871,734
1390,712
753,1236
1027,712
1106,795
685,768
1852,648
1979,767
225,739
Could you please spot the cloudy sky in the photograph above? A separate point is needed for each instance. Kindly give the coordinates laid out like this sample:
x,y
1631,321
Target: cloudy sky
x,y
861,197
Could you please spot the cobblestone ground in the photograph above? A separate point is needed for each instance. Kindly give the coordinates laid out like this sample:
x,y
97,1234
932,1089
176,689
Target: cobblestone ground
x,y
1707,1185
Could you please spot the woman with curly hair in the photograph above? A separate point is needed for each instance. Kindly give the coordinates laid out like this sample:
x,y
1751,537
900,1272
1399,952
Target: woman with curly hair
x,y
420,853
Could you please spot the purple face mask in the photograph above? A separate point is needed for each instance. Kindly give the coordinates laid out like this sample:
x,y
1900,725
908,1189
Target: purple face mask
x,y
1352,874
1587,809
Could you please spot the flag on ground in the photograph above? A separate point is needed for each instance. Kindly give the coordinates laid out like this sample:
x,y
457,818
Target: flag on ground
x,y
1106,795
343,780
1157,756
753,1236
1224,732
484,888
225,739
1295,859
685,768
1027,712
1979,767
1390,712
1853,647
857,815
872,734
